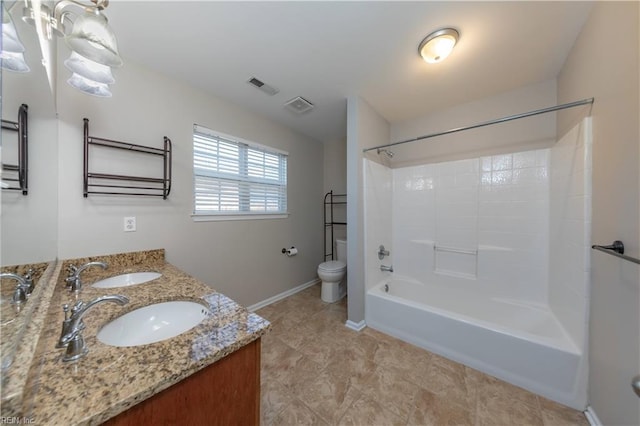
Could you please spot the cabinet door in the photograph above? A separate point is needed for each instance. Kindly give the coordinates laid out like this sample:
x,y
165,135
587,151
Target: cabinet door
x,y
224,393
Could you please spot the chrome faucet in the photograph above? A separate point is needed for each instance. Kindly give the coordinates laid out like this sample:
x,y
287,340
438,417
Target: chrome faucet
x,y
22,289
386,268
382,252
73,279
72,326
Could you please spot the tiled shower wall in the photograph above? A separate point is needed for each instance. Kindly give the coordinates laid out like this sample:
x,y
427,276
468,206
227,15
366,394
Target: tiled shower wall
x,y
480,224
570,221
514,226
377,218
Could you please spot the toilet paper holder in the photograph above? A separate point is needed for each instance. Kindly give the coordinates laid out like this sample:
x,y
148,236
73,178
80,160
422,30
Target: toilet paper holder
x,y
290,251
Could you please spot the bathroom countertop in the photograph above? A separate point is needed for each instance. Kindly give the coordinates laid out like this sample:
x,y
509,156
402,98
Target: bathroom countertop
x,y
20,328
109,380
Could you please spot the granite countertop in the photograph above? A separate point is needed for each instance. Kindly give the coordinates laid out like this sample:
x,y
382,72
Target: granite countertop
x,y
20,328
109,380
10,313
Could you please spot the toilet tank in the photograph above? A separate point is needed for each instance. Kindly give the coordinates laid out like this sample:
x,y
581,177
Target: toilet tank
x,y
341,250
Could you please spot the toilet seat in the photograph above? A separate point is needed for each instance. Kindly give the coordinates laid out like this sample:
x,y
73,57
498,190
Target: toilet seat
x,y
332,266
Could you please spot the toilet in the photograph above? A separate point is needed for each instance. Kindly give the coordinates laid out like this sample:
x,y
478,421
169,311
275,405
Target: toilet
x,y
332,274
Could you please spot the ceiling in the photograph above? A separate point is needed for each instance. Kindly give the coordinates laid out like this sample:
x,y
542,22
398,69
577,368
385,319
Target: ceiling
x,y
327,51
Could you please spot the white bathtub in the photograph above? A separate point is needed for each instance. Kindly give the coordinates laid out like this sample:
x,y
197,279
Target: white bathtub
x,y
522,344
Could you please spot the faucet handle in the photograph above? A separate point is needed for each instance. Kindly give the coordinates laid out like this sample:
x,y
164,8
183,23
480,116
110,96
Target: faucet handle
x,y
65,325
76,307
72,274
72,334
28,281
72,270
382,252
19,295
74,283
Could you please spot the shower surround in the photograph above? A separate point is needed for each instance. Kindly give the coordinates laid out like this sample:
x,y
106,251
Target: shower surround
x,y
491,261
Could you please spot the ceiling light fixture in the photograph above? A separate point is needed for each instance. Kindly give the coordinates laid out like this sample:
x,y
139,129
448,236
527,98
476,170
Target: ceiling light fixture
x,y
438,45
86,33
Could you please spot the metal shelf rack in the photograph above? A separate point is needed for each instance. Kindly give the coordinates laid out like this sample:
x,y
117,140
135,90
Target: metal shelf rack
x,y
144,186
331,200
19,172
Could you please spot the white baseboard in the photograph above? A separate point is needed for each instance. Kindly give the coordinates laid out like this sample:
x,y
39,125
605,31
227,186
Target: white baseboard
x,y
282,295
592,418
356,326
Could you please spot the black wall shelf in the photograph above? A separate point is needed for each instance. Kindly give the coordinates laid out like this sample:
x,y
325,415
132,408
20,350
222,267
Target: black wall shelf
x,y
101,183
18,174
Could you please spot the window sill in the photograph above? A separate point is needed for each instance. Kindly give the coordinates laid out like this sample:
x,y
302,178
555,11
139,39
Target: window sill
x,y
240,216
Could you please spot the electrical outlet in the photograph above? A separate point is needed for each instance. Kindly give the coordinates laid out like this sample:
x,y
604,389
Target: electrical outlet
x,y
130,224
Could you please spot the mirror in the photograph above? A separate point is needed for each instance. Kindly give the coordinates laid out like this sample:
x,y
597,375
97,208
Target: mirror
x,y
28,223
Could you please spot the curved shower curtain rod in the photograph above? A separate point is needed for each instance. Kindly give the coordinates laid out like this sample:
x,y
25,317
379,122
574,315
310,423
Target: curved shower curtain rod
x,y
488,123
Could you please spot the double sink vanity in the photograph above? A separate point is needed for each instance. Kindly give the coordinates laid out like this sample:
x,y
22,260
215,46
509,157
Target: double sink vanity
x,y
139,342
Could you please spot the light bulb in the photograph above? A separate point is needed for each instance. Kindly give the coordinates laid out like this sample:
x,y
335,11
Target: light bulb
x,y
438,45
89,69
89,87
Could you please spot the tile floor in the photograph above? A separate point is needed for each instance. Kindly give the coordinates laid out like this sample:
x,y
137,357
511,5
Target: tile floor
x,y
315,371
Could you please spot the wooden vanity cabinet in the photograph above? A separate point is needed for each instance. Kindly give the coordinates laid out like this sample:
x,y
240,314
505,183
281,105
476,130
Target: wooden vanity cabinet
x,y
224,393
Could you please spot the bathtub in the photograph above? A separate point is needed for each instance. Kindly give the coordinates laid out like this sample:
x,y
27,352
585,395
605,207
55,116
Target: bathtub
x,y
519,343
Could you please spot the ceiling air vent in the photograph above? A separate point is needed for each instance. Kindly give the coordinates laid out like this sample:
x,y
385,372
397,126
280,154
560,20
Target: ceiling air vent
x,y
269,90
298,105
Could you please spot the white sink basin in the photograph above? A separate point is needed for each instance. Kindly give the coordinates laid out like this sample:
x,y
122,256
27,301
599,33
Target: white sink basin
x,y
126,280
153,323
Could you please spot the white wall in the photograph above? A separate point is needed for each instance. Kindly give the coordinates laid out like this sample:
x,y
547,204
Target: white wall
x,y
609,72
335,166
243,259
335,179
519,135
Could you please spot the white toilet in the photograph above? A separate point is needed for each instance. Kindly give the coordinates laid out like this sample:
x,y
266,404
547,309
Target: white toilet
x,y
332,274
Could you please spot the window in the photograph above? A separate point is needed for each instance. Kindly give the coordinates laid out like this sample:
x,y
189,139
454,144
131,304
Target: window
x,y
233,177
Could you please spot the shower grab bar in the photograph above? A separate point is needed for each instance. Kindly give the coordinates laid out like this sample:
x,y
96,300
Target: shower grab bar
x,y
454,250
488,123
616,249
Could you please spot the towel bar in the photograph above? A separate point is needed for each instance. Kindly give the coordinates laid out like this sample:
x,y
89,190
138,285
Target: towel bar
x,y
616,249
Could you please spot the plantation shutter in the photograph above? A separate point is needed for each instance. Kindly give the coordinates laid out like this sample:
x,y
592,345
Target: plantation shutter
x,y
237,177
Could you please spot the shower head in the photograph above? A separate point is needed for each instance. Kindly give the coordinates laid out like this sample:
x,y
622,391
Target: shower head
x,y
386,151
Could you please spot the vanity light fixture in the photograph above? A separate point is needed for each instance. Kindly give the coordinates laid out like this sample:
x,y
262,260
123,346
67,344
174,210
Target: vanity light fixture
x,y
13,61
88,35
89,69
12,55
10,40
89,86
438,45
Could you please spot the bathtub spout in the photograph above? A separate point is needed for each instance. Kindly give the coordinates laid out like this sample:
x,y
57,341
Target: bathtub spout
x,y
386,268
